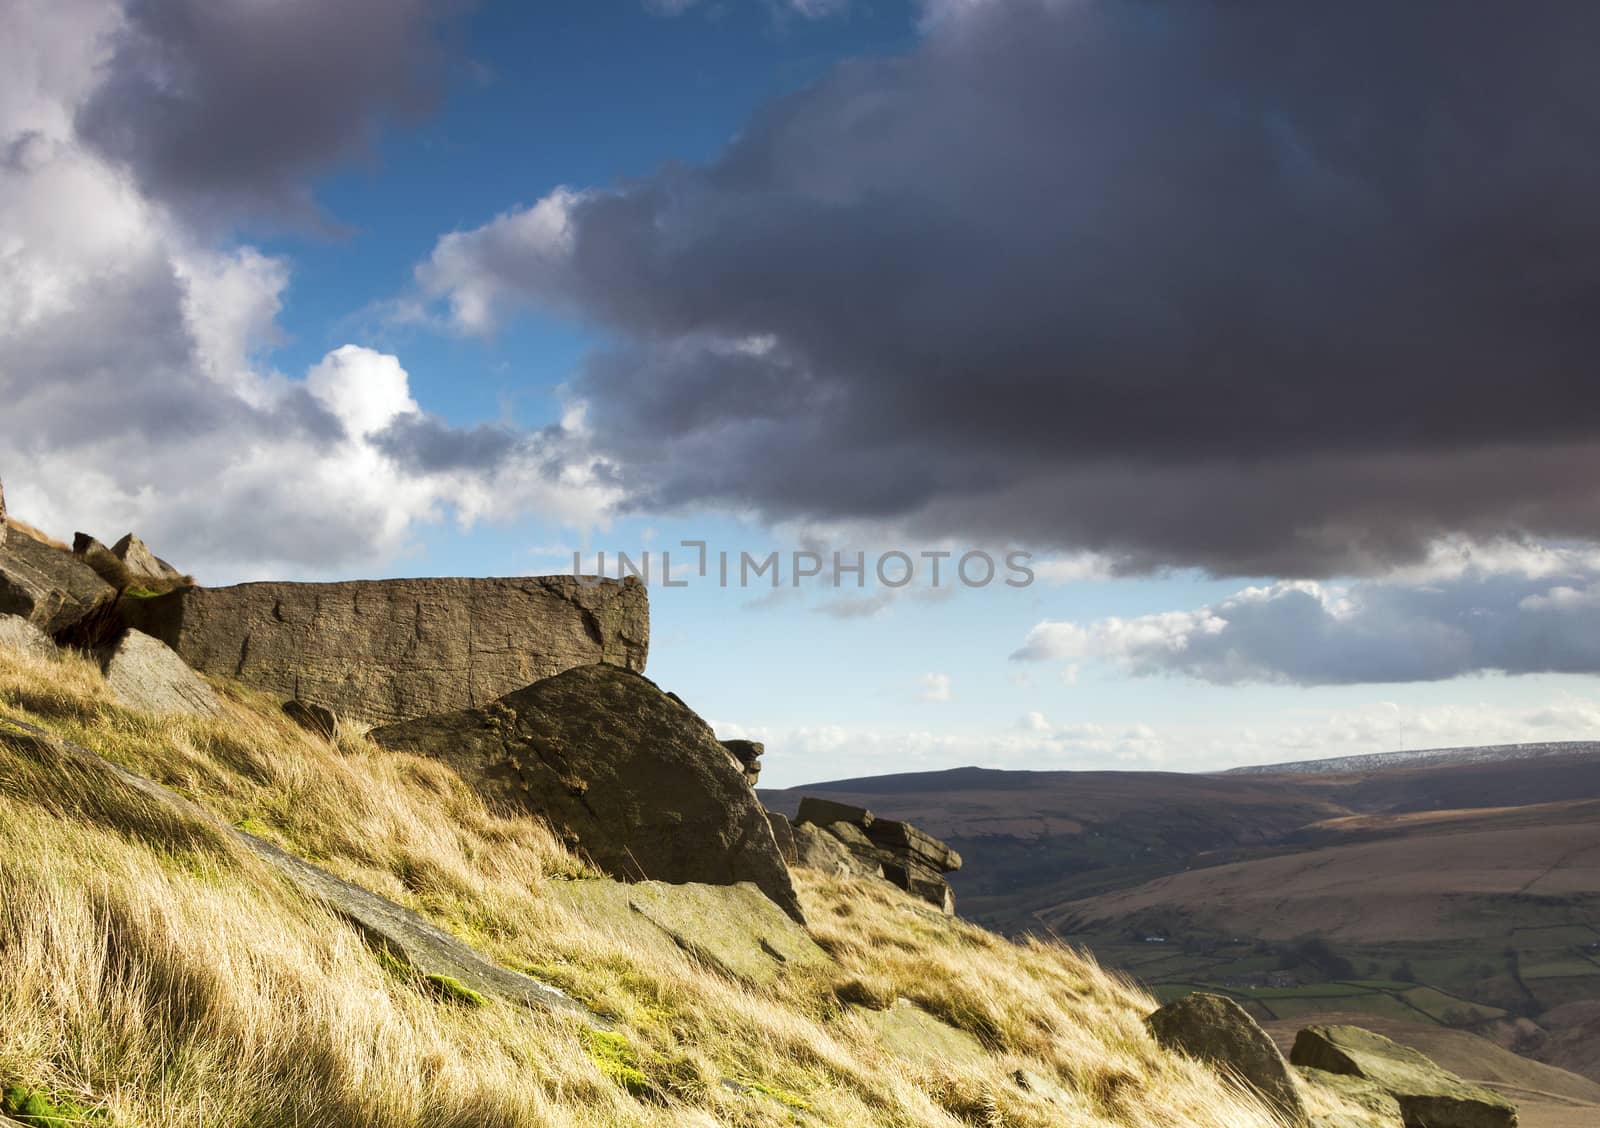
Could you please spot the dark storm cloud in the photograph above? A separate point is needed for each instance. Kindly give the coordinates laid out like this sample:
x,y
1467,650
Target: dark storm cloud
x,y
1278,288
427,444
234,104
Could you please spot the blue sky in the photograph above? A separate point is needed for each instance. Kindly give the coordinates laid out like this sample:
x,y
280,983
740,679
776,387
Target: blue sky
x,y
1277,391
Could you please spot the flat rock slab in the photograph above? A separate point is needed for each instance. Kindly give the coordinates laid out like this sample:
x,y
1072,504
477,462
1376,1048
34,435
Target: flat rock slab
x,y
1335,1100
406,935
144,673
733,928
378,651
1429,1096
908,1031
1218,1031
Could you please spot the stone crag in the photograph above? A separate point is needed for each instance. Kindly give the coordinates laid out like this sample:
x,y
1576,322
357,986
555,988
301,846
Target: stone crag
x,y
839,838
378,651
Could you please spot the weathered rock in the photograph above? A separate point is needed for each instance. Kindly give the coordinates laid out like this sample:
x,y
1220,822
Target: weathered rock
x,y
377,651
144,673
52,589
312,718
821,812
733,928
1216,1030
141,563
404,934
899,852
748,754
1334,1100
1429,1096
783,835
83,544
16,633
910,1032
903,838
921,882
632,778
816,849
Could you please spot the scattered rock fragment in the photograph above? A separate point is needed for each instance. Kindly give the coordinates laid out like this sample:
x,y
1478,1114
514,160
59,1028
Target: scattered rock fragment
x,y
16,633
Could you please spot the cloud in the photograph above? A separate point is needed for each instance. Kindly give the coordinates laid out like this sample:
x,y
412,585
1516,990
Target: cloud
x,y
234,105
1509,618
933,687
812,753
1292,289
131,361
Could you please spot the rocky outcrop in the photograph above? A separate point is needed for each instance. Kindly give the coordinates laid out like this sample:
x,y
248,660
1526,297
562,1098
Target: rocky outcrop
x,y
631,777
142,564
1218,1031
144,673
1429,1096
888,848
747,754
49,587
816,849
378,651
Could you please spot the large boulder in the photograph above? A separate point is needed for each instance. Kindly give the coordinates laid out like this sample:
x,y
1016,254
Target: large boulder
x,y
631,776
144,673
1218,1031
1429,1096
49,587
377,651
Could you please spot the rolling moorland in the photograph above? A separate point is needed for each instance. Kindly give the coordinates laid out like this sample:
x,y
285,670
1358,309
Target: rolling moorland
x,y
1458,891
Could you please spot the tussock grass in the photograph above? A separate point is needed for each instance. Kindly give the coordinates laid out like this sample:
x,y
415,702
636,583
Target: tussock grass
x,y
156,971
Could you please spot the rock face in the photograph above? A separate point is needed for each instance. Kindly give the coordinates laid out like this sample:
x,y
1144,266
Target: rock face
x,y
895,851
783,835
1218,1031
52,589
377,651
144,673
18,634
631,776
1429,1097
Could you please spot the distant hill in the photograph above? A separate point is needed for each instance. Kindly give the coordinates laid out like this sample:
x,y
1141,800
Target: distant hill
x,y
1459,887
1431,757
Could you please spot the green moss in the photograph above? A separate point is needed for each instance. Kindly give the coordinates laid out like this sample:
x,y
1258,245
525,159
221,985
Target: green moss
x,y
38,1109
452,990
782,1096
253,826
617,1060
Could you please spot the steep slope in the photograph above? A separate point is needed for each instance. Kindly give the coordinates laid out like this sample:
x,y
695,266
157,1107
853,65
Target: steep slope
x,y
155,971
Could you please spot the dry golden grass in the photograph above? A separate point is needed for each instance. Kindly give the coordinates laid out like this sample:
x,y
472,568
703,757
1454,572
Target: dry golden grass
x,y
161,973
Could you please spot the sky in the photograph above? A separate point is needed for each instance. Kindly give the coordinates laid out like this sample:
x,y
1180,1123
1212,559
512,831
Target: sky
x,y
1196,384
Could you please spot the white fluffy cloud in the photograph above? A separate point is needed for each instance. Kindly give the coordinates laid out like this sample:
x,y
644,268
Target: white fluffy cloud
x,y
1505,607
131,372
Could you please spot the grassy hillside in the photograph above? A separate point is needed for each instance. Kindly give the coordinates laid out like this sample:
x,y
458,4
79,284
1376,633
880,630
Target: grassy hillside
x,y
155,974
